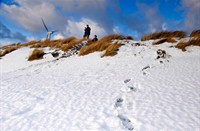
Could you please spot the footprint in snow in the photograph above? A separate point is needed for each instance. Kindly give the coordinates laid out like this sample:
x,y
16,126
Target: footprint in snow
x,y
125,103
127,80
132,88
126,122
144,69
118,102
130,85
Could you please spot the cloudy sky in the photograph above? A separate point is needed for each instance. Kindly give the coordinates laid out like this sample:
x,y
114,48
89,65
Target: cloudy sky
x,y
20,20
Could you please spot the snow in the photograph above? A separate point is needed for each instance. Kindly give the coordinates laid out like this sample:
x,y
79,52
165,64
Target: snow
x,y
130,91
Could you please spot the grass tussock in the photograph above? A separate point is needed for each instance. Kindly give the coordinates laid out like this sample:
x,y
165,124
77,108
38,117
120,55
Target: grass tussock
x,y
36,55
100,45
195,33
58,43
30,43
67,46
183,45
111,50
67,43
69,40
45,43
164,34
170,40
7,50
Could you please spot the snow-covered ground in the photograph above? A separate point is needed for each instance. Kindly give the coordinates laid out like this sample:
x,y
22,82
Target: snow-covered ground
x,y
130,91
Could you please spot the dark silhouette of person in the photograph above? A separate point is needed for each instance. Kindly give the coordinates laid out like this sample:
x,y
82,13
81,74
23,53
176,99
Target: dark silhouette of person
x,y
95,38
87,31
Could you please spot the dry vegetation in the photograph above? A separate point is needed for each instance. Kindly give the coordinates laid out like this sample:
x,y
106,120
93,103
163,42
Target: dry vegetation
x,y
36,55
67,46
195,33
162,40
100,45
164,34
45,43
69,40
183,45
105,44
8,49
64,45
33,42
111,50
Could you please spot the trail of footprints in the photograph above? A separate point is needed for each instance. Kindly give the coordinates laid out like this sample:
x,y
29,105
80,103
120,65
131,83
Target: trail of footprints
x,y
125,104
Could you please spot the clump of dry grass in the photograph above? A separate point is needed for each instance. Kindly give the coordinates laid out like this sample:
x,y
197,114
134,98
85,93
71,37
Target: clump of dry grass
x,y
45,43
58,43
30,43
71,44
8,49
99,45
1,53
36,55
69,40
162,40
67,43
61,42
111,50
164,34
195,33
183,45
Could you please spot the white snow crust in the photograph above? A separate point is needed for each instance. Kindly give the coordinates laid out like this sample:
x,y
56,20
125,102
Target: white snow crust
x,y
130,91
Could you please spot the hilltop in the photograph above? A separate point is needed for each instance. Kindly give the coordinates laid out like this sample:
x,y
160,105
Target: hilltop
x,y
117,83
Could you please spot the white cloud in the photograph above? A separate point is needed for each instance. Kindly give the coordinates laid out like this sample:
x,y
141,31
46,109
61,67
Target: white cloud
x,y
81,5
4,43
76,28
164,26
30,39
192,17
54,12
58,36
28,14
151,28
6,33
116,30
95,10
152,15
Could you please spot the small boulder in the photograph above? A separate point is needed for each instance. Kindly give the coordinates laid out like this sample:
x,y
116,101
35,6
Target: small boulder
x,y
55,54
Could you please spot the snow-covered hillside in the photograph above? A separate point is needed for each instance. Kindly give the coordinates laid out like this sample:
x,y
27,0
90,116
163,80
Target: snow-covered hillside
x,y
130,91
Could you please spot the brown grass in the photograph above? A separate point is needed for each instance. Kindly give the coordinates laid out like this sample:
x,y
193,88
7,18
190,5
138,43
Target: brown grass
x,y
111,50
67,43
45,43
164,34
36,55
58,43
69,40
183,45
170,40
71,44
8,50
100,45
30,43
195,33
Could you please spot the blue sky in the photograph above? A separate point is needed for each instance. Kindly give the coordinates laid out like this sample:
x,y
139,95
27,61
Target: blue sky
x,y
20,20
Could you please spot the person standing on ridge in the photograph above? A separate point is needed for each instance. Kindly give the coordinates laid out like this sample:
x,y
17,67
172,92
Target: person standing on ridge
x,y
87,32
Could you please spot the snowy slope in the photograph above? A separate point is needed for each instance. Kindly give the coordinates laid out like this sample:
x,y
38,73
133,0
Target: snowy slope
x,y
130,91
